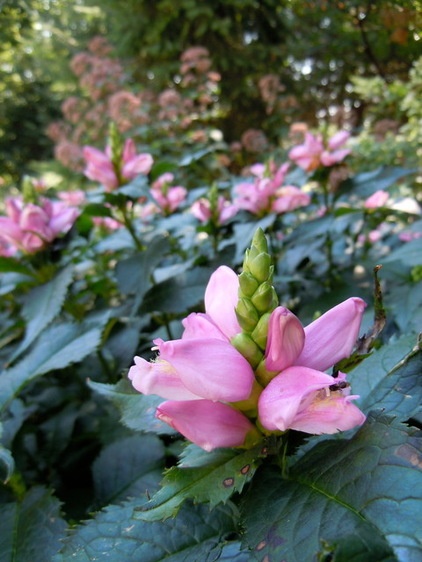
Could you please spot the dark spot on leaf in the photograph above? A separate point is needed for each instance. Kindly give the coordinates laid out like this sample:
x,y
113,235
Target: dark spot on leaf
x,y
245,469
228,482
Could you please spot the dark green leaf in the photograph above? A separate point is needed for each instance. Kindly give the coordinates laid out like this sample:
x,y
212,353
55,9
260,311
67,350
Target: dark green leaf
x,y
97,210
137,410
134,274
31,530
389,379
57,347
15,266
41,306
179,294
129,467
362,495
366,183
226,472
195,535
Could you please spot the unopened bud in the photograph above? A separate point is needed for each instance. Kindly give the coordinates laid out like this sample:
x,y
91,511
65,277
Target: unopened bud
x,y
260,267
265,298
247,315
248,284
260,332
248,348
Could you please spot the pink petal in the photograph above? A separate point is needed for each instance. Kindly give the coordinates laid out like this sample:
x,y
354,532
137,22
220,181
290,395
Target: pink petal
x,y
207,424
285,341
140,164
332,336
221,297
199,325
210,368
160,378
281,399
329,414
338,140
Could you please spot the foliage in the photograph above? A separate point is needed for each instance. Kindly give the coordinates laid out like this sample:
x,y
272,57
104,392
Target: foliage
x,y
82,449
114,266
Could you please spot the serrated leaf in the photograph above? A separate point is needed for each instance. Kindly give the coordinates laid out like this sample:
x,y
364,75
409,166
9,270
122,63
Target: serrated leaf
x,y
196,534
364,492
129,467
42,304
137,410
31,530
227,471
57,347
390,379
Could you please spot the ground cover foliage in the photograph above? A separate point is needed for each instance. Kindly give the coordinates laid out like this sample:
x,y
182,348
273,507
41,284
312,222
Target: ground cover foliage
x,y
97,269
88,468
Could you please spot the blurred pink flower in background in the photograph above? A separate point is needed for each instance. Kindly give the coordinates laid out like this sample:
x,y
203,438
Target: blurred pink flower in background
x,y
202,210
29,228
377,199
168,197
267,194
99,165
313,153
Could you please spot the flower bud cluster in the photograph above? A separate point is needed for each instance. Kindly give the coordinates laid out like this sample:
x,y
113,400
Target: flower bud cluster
x,y
257,300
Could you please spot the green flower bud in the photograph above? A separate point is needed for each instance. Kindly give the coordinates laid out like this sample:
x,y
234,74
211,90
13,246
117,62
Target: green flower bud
x,y
260,332
260,267
248,284
265,298
263,376
248,348
247,315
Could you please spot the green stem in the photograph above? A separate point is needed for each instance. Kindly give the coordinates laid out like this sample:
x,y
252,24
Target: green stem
x,y
129,225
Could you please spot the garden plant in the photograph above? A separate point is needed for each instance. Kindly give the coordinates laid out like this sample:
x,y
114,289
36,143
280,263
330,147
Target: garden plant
x,y
209,350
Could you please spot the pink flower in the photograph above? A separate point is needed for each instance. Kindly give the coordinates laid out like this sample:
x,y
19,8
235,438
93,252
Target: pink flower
x,y
201,209
310,401
312,153
101,168
299,396
29,227
202,373
206,423
377,199
267,193
168,197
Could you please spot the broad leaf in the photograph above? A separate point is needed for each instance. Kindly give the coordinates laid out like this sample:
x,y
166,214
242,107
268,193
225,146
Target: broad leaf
x,y
195,535
129,467
214,480
31,530
137,410
57,347
41,306
390,379
360,498
366,183
179,294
